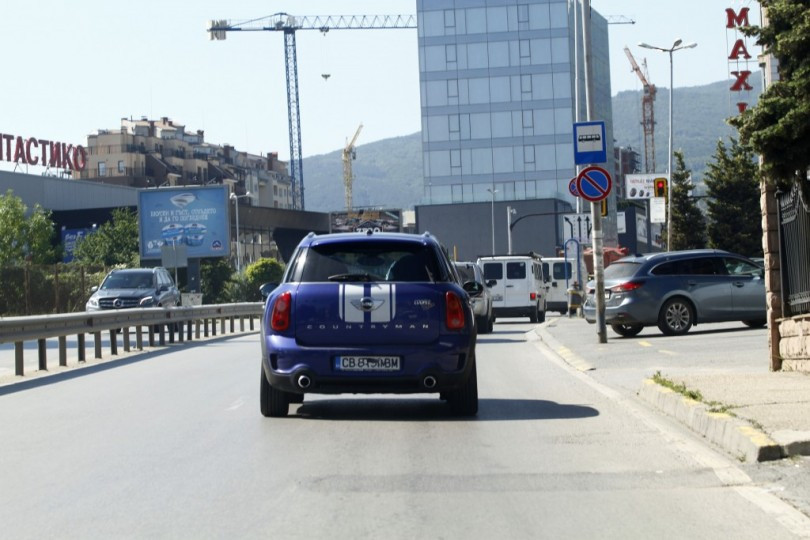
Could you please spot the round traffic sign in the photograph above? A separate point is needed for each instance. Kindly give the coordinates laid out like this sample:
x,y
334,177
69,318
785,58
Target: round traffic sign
x,y
594,183
572,187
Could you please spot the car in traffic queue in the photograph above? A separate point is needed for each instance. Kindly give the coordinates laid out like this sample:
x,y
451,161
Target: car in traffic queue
x,y
675,290
368,313
482,301
134,287
519,286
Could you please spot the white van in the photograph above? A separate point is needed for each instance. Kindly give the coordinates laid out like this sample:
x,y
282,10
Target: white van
x,y
561,274
519,289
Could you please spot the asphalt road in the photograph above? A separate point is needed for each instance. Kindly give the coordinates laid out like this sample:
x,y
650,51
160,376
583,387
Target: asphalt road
x,y
173,445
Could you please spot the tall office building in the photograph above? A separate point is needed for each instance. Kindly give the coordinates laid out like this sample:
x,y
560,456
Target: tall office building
x,y
497,98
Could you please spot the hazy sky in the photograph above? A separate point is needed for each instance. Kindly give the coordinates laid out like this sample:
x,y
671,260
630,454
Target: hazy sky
x,y
72,68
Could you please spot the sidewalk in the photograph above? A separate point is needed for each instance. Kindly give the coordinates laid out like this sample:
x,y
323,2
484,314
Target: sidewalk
x,y
755,416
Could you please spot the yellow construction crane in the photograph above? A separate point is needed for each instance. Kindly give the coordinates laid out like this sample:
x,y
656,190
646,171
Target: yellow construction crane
x,y
349,154
647,112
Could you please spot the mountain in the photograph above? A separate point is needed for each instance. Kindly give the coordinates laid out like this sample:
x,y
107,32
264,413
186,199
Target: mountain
x,y
388,173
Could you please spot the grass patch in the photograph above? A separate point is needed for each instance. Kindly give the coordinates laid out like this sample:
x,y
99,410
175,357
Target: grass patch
x,y
677,387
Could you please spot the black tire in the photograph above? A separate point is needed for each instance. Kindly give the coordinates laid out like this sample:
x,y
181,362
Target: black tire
x,y
533,314
627,330
463,400
541,316
483,325
755,324
273,402
491,323
676,317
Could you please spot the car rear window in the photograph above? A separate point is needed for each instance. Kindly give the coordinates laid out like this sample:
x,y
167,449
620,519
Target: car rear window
x,y
515,270
465,272
620,270
369,261
493,270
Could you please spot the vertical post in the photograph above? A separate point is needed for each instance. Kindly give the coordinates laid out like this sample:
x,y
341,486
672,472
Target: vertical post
x,y
492,218
238,251
669,157
509,229
596,214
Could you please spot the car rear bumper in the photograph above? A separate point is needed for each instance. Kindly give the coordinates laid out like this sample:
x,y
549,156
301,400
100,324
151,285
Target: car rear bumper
x,y
422,370
518,311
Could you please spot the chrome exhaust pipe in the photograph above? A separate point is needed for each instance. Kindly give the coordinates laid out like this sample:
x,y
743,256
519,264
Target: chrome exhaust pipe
x,y
304,382
429,382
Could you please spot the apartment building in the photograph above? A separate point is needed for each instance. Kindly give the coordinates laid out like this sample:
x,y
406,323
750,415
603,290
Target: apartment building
x,y
153,153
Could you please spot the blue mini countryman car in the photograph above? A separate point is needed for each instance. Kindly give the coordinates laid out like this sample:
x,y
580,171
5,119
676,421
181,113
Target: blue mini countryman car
x,y
369,313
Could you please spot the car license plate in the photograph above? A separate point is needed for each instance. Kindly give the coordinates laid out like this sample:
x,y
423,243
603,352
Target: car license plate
x,y
367,363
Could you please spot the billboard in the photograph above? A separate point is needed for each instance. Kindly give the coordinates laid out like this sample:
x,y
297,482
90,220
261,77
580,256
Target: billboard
x,y
364,220
192,216
71,237
640,186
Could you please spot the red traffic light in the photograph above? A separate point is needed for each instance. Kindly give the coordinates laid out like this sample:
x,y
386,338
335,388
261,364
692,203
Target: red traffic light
x,y
660,188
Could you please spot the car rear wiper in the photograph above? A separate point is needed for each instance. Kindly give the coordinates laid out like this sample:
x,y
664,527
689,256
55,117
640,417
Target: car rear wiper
x,y
353,277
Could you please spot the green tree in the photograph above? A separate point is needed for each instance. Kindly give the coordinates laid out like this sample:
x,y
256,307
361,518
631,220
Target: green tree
x,y
24,238
215,275
778,127
245,287
732,180
688,223
114,243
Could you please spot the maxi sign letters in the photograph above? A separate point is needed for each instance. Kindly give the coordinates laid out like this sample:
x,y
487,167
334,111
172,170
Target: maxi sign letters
x,y
194,217
736,21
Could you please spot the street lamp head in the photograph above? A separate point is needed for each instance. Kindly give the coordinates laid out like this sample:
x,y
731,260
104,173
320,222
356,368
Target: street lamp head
x,y
233,196
689,46
677,42
646,45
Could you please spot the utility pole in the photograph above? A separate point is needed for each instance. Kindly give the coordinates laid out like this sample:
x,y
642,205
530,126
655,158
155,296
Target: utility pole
x,y
596,214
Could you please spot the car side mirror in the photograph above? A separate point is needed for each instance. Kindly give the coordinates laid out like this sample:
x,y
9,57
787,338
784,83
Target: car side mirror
x,y
473,288
267,288
94,288
491,282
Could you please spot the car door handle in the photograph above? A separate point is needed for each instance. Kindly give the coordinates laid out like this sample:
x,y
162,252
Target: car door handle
x,y
691,283
509,286
738,284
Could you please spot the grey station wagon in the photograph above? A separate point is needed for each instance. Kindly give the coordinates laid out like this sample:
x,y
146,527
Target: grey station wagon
x,y
678,289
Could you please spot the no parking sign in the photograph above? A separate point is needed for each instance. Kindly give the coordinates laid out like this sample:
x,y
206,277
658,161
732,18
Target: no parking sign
x,y
594,183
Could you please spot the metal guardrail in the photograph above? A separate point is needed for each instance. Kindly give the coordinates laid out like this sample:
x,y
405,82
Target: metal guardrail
x,y
176,324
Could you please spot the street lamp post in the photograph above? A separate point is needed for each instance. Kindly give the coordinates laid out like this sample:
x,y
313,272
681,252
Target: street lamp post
x,y
675,47
235,198
509,213
493,191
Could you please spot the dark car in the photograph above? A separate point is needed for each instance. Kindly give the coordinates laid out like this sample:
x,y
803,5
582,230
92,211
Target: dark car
x,y
677,289
368,313
482,301
134,287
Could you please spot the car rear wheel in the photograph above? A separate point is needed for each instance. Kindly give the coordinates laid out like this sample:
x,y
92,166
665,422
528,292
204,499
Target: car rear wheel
x,y
483,325
464,400
533,314
755,324
627,330
541,316
273,402
676,317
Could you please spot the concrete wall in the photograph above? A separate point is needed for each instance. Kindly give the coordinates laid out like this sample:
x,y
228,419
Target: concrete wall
x,y
466,229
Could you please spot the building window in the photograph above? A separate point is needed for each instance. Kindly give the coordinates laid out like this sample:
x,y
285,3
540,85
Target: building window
x,y
121,167
102,168
449,18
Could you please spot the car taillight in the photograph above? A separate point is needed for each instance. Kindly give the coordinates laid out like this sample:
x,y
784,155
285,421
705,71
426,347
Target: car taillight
x,y
532,296
628,286
280,318
454,311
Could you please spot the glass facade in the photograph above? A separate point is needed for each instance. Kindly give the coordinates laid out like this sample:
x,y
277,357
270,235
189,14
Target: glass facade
x,y
497,94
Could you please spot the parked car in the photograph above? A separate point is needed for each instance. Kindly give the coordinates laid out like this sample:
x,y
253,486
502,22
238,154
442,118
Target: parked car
x,y
368,313
482,301
560,274
134,287
519,288
677,289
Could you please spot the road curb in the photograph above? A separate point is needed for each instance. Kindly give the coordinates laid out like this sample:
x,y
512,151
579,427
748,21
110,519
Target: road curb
x,y
562,351
735,436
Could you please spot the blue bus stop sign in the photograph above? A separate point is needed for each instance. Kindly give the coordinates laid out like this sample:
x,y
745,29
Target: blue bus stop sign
x,y
589,143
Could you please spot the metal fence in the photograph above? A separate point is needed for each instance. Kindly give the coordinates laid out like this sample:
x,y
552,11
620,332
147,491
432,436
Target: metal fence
x,y
794,238
39,289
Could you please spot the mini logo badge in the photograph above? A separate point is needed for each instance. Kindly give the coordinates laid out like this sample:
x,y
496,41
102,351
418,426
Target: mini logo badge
x,y
367,303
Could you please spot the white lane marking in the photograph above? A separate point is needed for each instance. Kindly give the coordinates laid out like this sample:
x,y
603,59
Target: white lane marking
x,y
236,404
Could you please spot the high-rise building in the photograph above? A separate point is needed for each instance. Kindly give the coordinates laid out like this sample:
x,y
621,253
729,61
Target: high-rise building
x,y
498,81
